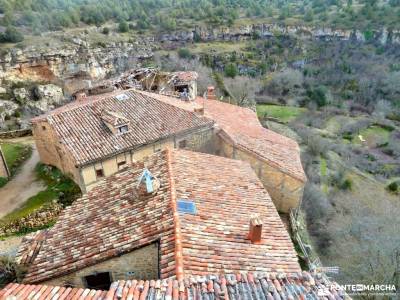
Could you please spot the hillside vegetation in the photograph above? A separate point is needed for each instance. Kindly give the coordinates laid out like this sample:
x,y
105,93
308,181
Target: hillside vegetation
x,y
31,16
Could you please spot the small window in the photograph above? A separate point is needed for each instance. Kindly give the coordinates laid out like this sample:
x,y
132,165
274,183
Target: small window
x,y
98,281
123,129
182,144
121,165
186,207
99,173
43,128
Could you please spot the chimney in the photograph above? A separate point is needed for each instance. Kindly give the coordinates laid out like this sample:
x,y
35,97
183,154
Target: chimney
x,y
211,93
255,231
80,97
199,111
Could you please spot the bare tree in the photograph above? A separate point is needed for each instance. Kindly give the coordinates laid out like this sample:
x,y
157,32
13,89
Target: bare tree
x,y
243,90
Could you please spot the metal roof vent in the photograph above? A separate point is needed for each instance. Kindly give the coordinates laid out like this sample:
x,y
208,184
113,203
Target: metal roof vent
x,y
147,184
186,207
122,97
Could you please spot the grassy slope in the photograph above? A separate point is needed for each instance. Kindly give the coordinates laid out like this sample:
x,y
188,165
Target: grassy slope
x,y
15,154
284,114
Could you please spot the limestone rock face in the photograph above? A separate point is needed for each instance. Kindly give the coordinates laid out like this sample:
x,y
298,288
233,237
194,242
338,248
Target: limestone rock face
x,y
75,64
7,108
52,93
21,95
47,97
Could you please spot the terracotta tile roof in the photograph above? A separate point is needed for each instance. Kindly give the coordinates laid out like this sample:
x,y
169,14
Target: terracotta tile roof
x,y
236,286
80,128
15,291
242,127
226,192
114,118
110,221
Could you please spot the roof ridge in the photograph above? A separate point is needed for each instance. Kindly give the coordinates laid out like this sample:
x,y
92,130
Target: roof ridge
x,y
177,225
75,104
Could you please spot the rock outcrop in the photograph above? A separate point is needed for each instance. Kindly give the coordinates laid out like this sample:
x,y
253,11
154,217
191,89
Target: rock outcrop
x,y
7,109
46,97
74,65
383,36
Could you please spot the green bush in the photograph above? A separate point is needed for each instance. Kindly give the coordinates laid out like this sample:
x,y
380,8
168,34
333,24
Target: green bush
x,y
184,53
17,114
393,187
106,30
318,95
123,26
346,184
11,35
231,70
3,181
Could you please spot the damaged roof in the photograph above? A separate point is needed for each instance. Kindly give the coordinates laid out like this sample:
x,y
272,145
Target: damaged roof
x,y
112,220
79,125
184,77
235,286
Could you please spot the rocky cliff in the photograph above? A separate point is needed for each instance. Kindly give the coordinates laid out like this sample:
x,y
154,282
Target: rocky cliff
x,y
40,78
72,66
383,36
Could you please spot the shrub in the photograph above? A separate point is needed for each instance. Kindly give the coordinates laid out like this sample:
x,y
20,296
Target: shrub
x,y
184,53
10,271
106,30
11,35
346,185
318,96
3,181
17,114
123,26
317,145
231,70
393,187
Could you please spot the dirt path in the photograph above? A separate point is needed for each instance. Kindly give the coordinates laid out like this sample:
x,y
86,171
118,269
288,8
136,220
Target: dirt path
x,y
23,186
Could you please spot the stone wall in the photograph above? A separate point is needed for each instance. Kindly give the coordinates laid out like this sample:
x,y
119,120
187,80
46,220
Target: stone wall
x,y
198,140
3,166
53,153
38,219
286,191
15,133
142,263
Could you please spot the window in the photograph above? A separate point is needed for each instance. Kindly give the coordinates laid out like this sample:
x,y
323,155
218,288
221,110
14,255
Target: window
x,y
43,127
186,207
182,144
98,281
99,173
121,165
123,129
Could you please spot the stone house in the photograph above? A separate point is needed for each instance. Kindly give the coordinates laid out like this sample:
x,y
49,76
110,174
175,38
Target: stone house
x,y
96,136
239,134
4,172
177,214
